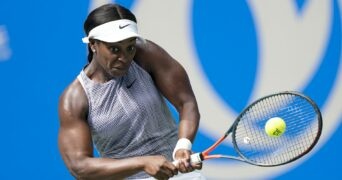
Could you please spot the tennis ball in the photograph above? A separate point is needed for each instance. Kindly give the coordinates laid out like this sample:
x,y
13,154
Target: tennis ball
x,y
275,127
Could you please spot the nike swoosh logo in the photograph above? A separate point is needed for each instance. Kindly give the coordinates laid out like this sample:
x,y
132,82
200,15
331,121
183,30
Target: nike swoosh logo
x,y
130,85
123,26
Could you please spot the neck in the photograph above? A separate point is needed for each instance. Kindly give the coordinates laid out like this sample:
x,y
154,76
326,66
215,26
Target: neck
x,y
96,72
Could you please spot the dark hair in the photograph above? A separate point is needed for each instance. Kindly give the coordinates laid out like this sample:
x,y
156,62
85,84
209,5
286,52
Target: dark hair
x,y
104,14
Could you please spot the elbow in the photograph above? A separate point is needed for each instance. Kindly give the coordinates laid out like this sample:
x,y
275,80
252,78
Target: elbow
x,y
79,169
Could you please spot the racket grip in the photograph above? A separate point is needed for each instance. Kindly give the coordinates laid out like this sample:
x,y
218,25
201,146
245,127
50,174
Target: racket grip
x,y
194,159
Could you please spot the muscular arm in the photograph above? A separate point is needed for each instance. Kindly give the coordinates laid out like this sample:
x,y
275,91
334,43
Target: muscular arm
x,y
75,145
172,80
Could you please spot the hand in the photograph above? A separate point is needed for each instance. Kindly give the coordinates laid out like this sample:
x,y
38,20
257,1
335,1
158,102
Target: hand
x,y
159,167
184,164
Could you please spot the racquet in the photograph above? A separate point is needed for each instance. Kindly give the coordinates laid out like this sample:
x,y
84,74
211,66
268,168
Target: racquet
x,y
253,145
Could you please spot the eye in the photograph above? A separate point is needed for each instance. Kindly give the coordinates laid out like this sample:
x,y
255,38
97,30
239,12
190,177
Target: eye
x,y
114,49
131,49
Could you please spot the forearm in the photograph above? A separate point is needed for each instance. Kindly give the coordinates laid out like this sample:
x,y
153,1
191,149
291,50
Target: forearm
x,y
105,168
189,121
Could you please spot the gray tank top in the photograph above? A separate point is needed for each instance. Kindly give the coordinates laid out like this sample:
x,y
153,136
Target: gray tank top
x,y
129,117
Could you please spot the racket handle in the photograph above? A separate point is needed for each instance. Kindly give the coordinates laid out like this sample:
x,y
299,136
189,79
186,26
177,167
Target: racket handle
x,y
194,159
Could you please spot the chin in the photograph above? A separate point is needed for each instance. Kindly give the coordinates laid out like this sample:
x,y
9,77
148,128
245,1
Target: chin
x,y
118,73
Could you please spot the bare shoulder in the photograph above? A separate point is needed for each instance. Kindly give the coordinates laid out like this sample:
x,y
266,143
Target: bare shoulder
x,y
73,102
151,56
144,47
149,48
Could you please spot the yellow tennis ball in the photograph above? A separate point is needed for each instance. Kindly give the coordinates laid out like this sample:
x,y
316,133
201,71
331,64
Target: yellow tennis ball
x,y
275,127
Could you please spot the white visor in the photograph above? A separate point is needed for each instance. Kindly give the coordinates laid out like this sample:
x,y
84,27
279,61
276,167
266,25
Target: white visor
x,y
114,31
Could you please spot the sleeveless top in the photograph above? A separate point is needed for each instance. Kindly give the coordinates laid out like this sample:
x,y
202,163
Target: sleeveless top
x,y
129,117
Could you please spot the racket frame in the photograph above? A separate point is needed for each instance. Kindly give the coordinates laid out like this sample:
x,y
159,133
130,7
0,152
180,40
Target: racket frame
x,y
204,155
295,93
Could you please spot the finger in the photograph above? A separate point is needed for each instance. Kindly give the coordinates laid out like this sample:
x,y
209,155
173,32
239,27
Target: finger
x,y
183,166
161,176
197,166
171,168
189,167
167,173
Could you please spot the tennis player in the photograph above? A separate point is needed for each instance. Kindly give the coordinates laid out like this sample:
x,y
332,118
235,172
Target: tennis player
x,y
117,104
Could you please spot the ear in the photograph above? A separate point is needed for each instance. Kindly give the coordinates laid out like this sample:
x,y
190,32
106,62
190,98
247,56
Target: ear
x,y
92,46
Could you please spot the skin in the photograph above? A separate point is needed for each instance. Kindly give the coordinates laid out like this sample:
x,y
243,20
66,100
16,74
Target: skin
x,y
112,60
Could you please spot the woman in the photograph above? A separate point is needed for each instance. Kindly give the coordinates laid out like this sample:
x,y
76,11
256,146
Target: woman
x,y
117,103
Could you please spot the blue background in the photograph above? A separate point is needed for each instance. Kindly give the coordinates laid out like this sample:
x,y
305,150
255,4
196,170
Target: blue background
x,y
47,54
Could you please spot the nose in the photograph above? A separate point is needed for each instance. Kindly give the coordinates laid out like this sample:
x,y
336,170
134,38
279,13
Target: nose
x,y
124,57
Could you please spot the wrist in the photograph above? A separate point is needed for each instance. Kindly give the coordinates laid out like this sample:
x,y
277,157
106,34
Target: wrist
x,y
140,163
182,143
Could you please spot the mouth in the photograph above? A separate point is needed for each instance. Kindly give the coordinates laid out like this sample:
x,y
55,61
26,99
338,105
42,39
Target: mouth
x,y
118,69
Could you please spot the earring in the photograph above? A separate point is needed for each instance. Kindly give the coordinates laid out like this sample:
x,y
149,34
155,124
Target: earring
x,y
94,51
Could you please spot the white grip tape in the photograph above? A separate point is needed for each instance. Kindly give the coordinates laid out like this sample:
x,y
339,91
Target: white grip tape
x,y
195,158
182,143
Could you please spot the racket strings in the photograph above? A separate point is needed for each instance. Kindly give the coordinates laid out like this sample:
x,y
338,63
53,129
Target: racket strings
x,y
301,132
